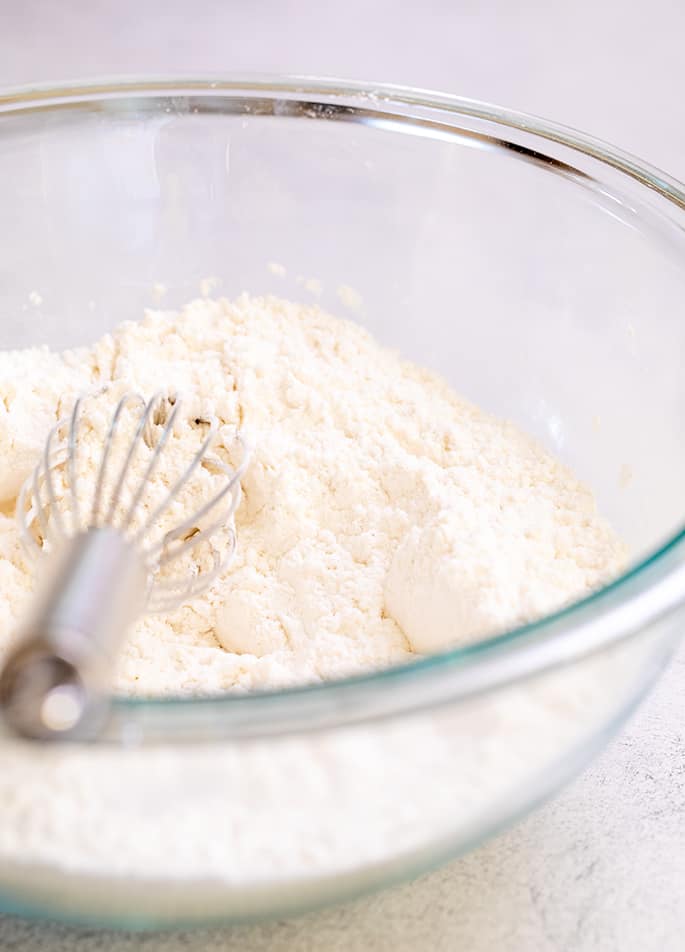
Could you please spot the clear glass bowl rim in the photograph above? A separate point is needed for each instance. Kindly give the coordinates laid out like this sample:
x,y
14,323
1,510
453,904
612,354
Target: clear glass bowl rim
x,y
651,589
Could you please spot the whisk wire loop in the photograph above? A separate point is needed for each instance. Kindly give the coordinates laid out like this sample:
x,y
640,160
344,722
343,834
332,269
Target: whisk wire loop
x,y
48,473
180,482
152,465
45,521
119,484
107,450
72,449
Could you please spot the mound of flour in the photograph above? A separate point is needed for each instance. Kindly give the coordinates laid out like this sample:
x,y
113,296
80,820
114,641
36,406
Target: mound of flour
x,y
382,514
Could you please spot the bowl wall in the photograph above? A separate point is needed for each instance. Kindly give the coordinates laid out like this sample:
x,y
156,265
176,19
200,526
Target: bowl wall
x,y
541,282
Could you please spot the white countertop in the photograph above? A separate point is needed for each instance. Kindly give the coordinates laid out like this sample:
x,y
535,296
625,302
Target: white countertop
x,y
601,868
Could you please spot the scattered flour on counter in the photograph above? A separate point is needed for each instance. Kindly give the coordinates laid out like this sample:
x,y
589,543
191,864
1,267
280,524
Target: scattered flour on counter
x,y
382,514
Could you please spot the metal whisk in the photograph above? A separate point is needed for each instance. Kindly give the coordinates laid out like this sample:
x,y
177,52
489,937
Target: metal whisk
x,y
107,559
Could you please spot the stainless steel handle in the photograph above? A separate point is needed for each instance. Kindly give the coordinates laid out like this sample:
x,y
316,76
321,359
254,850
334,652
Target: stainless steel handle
x,y
56,681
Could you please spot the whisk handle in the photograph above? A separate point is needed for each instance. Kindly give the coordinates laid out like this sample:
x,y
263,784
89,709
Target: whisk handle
x,y
56,682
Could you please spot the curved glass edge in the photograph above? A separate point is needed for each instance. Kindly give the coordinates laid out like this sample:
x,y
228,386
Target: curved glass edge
x,y
650,589
648,592
368,91
342,888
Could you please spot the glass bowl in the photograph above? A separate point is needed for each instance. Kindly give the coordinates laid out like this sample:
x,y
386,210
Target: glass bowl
x,y
541,272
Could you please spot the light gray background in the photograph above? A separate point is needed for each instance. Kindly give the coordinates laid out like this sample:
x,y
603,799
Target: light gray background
x,y
603,866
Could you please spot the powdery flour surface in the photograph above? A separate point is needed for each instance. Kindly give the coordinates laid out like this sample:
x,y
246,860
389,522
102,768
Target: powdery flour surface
x,y
382,515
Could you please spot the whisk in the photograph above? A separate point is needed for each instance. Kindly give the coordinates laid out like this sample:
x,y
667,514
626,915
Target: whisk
x,y
106,563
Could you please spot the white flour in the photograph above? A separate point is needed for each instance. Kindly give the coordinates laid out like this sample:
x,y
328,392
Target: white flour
x,y
239,829
383,515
